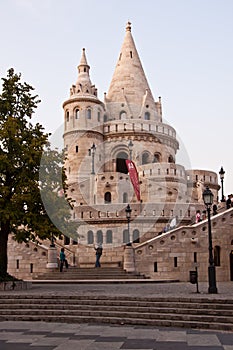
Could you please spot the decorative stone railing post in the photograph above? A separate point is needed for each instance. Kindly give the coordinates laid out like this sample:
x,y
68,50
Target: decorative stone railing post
x,y
129,260
52,258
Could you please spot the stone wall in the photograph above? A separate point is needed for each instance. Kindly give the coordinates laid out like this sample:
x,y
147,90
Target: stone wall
x,y
26,259
173,254
167,256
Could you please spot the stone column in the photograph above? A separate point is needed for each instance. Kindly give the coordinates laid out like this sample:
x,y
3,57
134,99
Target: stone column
x,y
129,261
52,258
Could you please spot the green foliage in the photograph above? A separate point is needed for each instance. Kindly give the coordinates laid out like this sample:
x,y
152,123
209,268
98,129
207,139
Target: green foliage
x,y
23,177
53,191
21,148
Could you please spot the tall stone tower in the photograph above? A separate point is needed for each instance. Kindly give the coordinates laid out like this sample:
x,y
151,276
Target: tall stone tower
x,y
83,124
100,136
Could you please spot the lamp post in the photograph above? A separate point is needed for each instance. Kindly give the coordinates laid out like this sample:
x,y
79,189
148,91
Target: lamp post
x,y
130,146
128,211
52,244
208,200
221,174
92,154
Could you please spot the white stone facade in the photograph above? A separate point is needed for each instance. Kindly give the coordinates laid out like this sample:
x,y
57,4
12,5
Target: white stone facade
x,y
129,114
101,189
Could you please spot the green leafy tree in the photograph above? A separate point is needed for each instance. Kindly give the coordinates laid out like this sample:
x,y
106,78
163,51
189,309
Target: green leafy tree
x,y
57,207
22,145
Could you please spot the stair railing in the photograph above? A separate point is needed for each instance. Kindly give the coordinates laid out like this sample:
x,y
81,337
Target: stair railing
x,y
68,252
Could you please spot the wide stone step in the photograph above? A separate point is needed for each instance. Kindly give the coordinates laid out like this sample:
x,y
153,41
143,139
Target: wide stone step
x,y
64,278
119,300
160,309
88,273
74,273
121,320
118,313
127,321
182,312
151,305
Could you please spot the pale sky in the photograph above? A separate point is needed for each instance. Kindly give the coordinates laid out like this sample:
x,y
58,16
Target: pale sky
x,y
186,49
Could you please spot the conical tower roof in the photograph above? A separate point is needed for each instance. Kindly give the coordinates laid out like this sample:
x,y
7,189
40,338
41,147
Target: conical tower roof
x,y
83,86
83,60
129,78
83,71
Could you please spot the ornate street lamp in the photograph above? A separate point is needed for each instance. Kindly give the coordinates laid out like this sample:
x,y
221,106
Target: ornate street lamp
x,y
208,200
130,146
221,174
52,242
92,154
128,211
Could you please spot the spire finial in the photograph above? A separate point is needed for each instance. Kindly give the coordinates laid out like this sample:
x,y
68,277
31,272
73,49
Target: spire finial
x,y
83,60
128,26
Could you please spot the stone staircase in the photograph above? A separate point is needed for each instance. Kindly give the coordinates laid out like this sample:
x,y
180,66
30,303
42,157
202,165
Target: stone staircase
x,y
89,274
185,312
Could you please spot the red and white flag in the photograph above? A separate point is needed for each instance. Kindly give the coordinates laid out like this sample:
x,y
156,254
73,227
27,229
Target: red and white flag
x,y
133,177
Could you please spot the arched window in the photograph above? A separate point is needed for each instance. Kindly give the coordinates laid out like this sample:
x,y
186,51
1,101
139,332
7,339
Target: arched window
x,y
107,197
88,113
109,236
99,237
90,237
77,113
120,162
217,255
125,197
156,158
126,236
98,116
145,158
67,116
135,236
170,159
122,115
66,240
147,116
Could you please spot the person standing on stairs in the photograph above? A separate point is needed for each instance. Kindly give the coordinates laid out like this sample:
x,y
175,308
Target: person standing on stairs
x,y
63,259
98,253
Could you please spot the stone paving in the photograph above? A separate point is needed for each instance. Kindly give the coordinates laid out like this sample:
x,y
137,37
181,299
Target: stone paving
x,y
225,289
57,336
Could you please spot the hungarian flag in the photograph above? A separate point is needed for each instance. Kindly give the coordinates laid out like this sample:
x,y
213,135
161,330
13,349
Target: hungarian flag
x,y
133,177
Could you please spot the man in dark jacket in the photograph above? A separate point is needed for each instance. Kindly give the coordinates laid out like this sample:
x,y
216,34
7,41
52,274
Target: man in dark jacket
x,y
98,253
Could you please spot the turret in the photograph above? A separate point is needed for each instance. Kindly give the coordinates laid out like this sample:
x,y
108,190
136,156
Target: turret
x,y
83,126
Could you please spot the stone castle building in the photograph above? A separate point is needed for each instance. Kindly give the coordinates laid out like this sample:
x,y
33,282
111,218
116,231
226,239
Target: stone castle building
x,y
99,136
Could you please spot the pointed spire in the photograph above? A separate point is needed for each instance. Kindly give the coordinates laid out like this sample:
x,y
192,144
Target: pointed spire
x,y
83,61
128,26
84,84
129,76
